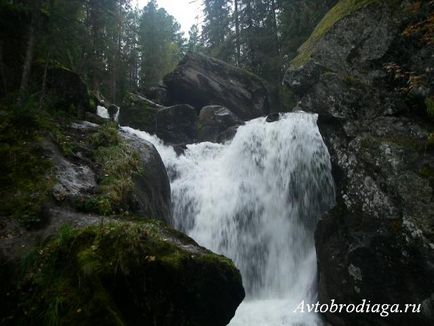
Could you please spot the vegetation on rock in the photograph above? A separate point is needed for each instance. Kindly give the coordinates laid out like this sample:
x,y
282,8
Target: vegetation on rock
x,y
121,273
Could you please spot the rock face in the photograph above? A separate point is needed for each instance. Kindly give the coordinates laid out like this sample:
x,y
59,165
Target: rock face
x,y
369,77
200,80
214,121
151,189
125,273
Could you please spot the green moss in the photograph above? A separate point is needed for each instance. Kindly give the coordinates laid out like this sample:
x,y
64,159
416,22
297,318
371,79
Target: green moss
x,y
107,135
427,172
430,140
341,10
26,179
66,281
118,164
429,103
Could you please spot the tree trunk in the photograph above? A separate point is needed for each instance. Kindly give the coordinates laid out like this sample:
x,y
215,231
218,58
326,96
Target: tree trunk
x,y
27,66
44,82
237,32
2,70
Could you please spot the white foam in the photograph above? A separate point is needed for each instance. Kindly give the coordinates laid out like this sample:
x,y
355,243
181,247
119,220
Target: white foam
x,y
256,200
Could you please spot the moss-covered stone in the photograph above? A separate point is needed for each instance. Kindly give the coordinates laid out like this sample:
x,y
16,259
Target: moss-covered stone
x,y
137,113
341,10
117,165
127,273
429,102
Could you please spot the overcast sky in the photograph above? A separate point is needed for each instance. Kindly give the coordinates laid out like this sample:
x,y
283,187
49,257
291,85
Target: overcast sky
x,y
185,11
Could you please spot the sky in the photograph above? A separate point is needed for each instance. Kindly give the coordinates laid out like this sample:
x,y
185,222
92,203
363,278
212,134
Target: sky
x,y
184,11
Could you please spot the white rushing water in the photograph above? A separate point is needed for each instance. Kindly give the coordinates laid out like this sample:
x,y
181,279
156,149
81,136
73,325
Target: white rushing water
x,y
256,200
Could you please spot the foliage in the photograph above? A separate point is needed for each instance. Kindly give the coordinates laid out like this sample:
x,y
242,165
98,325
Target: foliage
x,y
26,178
160,44
118,165
429,102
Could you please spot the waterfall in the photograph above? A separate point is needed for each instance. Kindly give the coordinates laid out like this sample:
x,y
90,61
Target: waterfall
x,y
256,200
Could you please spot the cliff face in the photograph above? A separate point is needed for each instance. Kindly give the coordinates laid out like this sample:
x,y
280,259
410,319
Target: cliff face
x,y
367,70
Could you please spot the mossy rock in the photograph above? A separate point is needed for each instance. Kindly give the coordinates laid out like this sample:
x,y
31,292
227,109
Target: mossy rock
x,y
341,10
137,113
129,273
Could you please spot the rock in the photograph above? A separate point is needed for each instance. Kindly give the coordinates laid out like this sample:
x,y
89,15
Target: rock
x,y
215,120
200,81
377,243
300,79
275,116
158,94
131,273
139,113
113,111
69,88
176,124
228,134
151,190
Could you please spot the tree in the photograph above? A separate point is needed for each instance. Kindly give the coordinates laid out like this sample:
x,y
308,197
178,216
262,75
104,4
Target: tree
x,y
216,31
194,43
160,44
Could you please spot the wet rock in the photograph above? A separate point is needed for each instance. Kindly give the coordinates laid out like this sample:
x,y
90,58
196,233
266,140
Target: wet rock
x,y
273,117
213,121
199,80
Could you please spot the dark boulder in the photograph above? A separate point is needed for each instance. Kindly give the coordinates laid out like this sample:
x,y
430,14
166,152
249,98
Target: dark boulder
x,y
158,94
151,191
127,273
139,113
177,124
200,81
377,243
215,120
275,116
113,111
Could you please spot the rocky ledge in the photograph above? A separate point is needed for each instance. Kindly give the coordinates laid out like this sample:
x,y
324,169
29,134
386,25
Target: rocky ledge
x,y
367,70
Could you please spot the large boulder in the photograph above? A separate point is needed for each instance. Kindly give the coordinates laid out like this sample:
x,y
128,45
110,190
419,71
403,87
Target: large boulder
x,y
214,121
174,125
152,188
126,273
357,71
138,112
177,124
200,80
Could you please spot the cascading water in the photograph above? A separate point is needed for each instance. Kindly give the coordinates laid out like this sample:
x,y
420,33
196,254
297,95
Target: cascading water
x,y
256,200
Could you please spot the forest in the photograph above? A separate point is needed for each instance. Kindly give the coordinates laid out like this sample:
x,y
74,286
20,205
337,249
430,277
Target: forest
x,y
272,166
117,47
